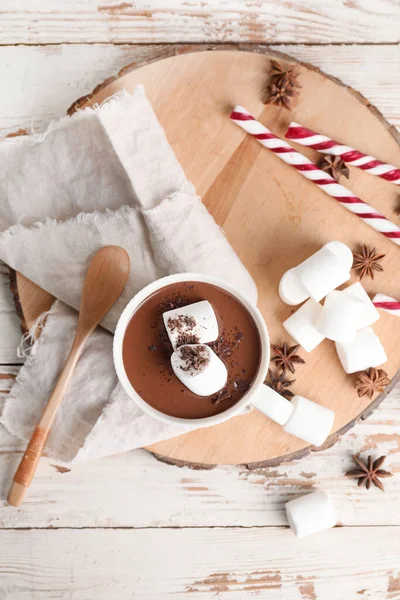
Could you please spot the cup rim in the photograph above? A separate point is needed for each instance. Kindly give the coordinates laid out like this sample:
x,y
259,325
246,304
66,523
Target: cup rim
x,y
126,316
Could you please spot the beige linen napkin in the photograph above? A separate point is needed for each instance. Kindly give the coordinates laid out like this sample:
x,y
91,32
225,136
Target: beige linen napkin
x,y
104,176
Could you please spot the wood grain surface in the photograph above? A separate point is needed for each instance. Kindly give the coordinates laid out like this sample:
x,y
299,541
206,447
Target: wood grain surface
x,y
160,21
95,563
285,217
61,518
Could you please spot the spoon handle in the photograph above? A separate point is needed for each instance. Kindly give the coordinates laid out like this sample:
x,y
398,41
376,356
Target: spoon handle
x,y
29,462
105,280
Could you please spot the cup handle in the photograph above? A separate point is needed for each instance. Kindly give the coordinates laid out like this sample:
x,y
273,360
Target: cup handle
x,y
272,404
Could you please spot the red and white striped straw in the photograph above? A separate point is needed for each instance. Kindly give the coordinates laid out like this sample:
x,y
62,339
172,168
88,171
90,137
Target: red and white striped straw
x,y
387,303
325,182
322,143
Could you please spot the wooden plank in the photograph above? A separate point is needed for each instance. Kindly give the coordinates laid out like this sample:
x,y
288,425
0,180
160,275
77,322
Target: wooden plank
x,y
113,21
200,563
10,331
44,81
152,494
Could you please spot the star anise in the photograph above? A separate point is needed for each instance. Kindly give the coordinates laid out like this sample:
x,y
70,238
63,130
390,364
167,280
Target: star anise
x,y
369,472
281,95
280,74
279,383
285,357
367,261
282,85
335,166
371,381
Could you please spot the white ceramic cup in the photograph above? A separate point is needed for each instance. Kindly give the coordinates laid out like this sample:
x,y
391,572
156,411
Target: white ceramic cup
x,y
254,396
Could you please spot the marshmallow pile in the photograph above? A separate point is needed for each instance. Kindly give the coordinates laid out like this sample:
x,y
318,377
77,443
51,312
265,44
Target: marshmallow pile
x,y
194,363
346,316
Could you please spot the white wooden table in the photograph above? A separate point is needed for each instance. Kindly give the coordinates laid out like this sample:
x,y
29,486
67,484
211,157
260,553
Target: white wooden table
x,y
129,527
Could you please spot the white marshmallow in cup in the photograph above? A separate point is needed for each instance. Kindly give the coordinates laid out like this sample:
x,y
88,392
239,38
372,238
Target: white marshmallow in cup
x,y
205,381
203,315
301,325
310,514
309,421
363,352
340,317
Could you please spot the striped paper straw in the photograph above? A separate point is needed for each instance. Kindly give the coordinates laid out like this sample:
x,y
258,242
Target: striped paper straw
x,y
325,182
386,303
322,143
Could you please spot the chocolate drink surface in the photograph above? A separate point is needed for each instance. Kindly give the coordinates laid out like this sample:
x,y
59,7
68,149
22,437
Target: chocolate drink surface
x,y
147,351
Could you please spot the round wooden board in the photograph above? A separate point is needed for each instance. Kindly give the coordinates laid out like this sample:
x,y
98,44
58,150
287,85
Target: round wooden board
x,y
272,216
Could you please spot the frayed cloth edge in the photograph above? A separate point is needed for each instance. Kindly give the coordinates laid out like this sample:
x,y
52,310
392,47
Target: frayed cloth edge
x,y
107,105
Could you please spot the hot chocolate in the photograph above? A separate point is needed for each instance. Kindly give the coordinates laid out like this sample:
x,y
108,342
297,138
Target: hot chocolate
x,y
147,350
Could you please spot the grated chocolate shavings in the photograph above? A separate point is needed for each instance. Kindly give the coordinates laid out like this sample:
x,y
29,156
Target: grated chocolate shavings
x,y
195,358
220,397
187,338
222,347
172,302
181,322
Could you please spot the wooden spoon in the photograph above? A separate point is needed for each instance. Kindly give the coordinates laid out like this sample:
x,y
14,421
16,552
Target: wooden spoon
x,y
105,280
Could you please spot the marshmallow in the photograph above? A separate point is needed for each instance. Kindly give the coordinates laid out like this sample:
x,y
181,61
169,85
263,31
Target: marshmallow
x,y
196,319
291,290
199,369
273,405
363,352
321,273
343,253
318,275
340,317
301,325
309,421
369,313
310,514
